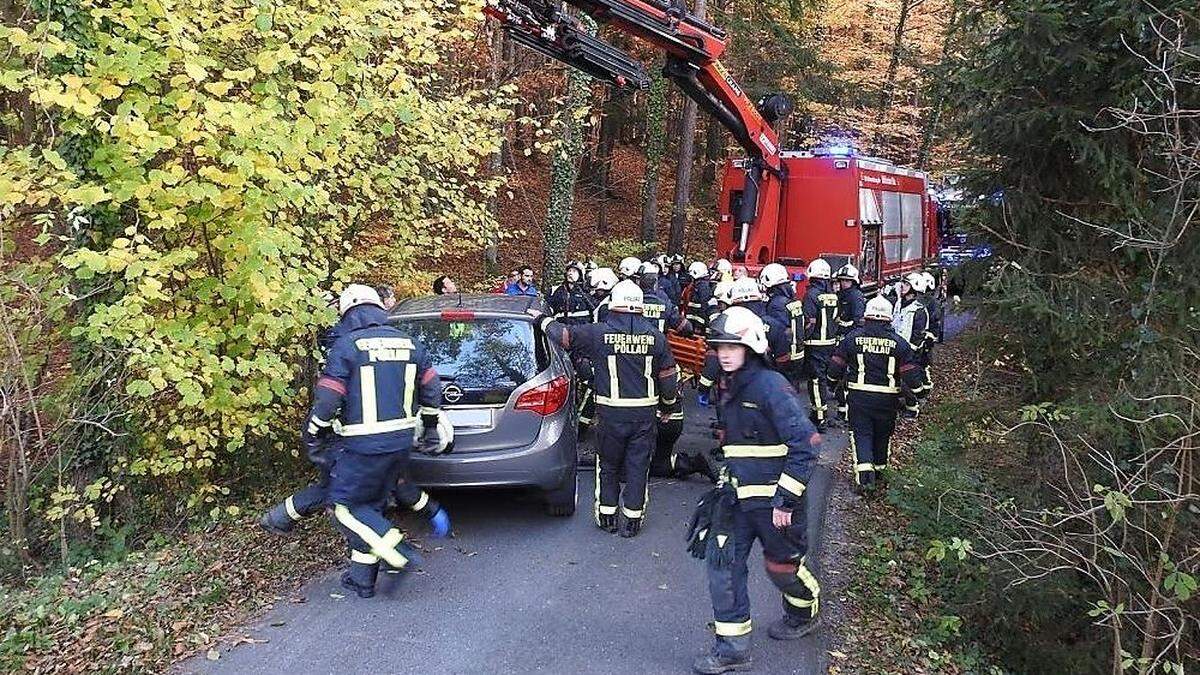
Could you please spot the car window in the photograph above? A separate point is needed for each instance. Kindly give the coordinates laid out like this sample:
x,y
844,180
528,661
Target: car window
x,y
477,354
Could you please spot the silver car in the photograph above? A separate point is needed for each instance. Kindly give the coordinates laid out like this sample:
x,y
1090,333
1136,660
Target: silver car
x,y
508,391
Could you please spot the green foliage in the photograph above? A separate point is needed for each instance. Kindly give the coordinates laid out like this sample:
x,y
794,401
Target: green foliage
x,y
233,155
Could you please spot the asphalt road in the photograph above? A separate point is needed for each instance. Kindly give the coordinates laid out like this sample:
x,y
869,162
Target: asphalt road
x,y
518,591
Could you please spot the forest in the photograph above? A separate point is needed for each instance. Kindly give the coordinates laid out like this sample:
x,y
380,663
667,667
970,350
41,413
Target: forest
x,y
180,180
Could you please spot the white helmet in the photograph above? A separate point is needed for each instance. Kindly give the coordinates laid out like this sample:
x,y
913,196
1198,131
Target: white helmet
x,y
819,269
848,272
697,270
648,268
878,309
773,275
358,294
626,296
744,290
628,266
721,291
917,281
739,326
602,279
723,267
930,281
662,261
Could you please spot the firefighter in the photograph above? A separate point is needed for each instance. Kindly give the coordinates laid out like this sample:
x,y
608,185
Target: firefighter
x,y
601,280
722,271
711,369
282,518
911,321
851,302
671,278
570,301
820,337
880,373
628,267
377,387
656,306
745,293
770,450
636,383
698,295
934,301
777,284
851,306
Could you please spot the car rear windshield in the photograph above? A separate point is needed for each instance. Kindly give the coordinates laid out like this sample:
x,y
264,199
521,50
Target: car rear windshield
x,y
477,354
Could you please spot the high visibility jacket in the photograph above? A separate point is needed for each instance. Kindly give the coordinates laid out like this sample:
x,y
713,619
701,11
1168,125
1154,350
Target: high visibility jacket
x,y
911,322
796,330
571,304
820,313
697,305
766,435
663,313
878,365
634,369
851,308
376,382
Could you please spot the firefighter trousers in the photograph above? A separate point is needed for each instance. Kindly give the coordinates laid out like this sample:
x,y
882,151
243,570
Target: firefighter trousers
x,y
664,459
870,440
359,486
783,557
623,452
816,369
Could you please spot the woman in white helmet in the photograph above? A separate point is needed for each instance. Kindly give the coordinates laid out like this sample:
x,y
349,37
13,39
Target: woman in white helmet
x,y
770,451
777,283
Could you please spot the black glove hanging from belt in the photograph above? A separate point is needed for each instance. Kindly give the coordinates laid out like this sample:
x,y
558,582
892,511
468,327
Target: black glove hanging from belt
x,y
711,529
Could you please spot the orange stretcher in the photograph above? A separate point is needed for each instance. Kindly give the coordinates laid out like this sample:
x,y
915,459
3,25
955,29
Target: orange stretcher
x,y
689,355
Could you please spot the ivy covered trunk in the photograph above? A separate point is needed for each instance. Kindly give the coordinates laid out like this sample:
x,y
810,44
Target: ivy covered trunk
x,y
656,141
563,172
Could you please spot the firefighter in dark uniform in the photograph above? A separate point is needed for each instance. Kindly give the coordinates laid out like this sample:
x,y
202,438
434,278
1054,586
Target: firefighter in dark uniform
x,y
770,450
377,387
601,281
699,293
636,382
851,306
656,306
745,293
880,372
282,518
570,301
774,278
820,337
911,321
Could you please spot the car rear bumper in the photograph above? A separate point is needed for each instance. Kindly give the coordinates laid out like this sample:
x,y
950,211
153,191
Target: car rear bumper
x,y
546,463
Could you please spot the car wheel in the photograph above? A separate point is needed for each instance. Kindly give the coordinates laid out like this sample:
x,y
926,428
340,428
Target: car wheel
x,y
561,501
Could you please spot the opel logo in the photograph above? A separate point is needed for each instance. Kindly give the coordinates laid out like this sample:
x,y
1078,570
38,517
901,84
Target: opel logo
x,y
452,393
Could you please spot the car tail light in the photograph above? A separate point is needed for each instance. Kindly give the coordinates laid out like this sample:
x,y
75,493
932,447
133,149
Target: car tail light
x,y
545,399
458,315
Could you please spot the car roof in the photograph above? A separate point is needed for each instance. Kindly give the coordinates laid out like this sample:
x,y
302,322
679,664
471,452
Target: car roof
x,y
493,304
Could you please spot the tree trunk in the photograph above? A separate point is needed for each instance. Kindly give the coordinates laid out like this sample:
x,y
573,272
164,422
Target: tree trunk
x,y
610,126
491,252
937,93
683,171
563,172
889,82
714,151
656,142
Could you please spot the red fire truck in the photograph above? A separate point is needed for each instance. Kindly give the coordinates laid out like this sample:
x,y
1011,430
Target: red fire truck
x,y
834,205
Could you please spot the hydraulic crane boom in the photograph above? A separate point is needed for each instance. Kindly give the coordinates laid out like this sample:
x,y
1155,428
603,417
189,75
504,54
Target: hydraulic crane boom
x,y
692,47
